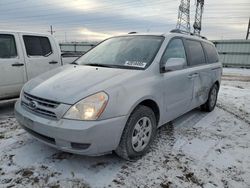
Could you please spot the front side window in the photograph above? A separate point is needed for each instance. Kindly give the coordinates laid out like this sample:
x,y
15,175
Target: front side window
x,y
129,52
37,46
212,55
196,53
175,49
7,46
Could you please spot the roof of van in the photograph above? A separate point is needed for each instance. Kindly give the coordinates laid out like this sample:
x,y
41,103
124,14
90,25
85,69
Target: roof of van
x,y
169,34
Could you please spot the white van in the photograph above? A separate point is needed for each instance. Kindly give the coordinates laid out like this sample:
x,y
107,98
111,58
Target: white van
x,y
23,56
115,96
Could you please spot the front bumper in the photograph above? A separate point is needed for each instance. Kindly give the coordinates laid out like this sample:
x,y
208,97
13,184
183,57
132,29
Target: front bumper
x,y
81,137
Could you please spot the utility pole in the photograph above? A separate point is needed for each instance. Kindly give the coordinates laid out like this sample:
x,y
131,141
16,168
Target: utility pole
x,y
198,16
248,30
51,30
183,22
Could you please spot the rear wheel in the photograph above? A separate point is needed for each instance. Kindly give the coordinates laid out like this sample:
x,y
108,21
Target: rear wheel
x,y
212,99
138,134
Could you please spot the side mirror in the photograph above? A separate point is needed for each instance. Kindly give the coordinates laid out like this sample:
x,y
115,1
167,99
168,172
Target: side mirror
x,y
173,64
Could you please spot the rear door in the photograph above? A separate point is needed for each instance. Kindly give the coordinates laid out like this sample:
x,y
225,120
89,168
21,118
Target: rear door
x,y
201,72
178,87
12,66
212,58
41,54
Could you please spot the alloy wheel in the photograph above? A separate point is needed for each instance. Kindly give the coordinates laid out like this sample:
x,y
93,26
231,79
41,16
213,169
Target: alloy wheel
x,y
141,134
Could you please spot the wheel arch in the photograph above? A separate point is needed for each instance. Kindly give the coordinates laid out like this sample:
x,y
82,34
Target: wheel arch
x,y
217,83
152,104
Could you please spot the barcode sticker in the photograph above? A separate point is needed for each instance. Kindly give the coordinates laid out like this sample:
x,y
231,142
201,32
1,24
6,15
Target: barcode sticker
x,y
135,64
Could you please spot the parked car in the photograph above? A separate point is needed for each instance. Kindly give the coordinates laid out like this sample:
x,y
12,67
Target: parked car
x,y
22,57
115,96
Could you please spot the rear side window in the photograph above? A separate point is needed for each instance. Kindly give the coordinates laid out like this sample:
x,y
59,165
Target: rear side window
x,y
212,55
37,46
196,53
7,46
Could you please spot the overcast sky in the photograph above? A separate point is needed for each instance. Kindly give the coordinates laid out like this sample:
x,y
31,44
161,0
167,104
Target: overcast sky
x,y
83,20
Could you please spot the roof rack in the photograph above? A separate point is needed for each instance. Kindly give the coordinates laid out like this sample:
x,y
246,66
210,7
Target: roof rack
x,y
187,33
133,32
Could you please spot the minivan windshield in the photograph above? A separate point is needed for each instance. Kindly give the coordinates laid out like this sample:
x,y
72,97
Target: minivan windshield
x,y
129,52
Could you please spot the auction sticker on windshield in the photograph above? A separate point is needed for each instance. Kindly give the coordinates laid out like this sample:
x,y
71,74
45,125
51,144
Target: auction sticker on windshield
x,y
135,64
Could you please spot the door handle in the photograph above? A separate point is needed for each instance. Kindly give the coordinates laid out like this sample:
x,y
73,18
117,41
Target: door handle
x,y
53,62
17,64
194,75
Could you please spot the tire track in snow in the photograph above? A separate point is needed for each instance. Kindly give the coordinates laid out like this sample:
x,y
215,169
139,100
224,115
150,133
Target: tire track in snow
x,y
238,116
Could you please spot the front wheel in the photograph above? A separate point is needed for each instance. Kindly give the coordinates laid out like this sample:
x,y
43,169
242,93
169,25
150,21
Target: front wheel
x,y
138,133
212,99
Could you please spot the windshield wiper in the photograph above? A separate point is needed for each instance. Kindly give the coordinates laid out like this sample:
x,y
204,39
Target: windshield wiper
x,y
100,65
113,66
74,63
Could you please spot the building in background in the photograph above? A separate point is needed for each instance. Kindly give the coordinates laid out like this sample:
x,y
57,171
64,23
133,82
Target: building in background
x,y
234,53
76,48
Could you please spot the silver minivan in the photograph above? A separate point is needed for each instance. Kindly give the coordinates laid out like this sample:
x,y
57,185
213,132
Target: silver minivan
x,y
115,96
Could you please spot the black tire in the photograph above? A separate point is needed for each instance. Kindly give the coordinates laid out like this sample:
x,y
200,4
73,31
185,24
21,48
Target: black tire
x,y
209,106
125,149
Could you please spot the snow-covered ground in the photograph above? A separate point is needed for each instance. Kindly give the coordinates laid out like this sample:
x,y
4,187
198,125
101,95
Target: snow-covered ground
x,y
236,71
236,74
196,150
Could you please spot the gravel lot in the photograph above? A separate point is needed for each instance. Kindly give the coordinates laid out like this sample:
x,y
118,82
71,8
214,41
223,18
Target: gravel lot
x,y
196,150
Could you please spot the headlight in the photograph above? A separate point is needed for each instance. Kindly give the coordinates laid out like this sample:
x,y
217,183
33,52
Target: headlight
x,y
89,108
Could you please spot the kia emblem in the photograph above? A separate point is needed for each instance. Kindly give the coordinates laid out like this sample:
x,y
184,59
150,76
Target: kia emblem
x,y
33,105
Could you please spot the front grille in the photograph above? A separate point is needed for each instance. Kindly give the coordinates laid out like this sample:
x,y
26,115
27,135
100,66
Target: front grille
x,y
41,101
39,111
44,107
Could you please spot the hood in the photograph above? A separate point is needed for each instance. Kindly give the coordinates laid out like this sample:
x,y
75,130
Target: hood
x,y
71,83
